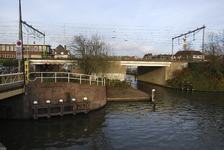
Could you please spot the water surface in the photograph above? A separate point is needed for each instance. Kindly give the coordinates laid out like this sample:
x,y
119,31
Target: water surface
x,y
178,120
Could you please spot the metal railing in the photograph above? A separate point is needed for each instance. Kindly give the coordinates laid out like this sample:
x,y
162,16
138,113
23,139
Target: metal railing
x,y
12,78
66,75
9,70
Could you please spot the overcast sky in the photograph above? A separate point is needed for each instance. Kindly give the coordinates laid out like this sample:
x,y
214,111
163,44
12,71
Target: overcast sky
x,y
132,27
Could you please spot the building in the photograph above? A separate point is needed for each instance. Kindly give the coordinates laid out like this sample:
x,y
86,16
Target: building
x,y
133,58
30,50
149,56
188,55
61,52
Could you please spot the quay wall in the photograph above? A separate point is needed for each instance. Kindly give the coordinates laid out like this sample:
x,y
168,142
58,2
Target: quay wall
x,y
15,107
20,106
54,91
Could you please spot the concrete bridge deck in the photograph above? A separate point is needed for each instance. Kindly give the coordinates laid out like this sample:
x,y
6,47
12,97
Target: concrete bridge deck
x,y
146,63
12,90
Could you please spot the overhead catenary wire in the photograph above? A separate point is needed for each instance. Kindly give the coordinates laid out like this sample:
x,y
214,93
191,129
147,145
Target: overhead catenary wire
x,y
62,32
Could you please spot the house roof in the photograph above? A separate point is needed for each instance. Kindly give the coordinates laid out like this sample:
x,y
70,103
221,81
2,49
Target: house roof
x,y
184,53
60,49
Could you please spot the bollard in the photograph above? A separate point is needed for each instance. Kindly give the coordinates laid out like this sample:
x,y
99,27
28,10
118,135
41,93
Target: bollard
x,y
153,107
153,95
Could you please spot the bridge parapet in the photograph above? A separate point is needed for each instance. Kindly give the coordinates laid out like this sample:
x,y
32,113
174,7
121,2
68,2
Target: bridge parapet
x,y
9,79
146,63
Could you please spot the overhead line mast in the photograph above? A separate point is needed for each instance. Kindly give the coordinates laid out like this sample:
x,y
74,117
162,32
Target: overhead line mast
x,y
36,33
20,33
194,34
33,29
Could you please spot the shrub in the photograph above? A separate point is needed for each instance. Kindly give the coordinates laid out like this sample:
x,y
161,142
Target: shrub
x,y
202,76
117,83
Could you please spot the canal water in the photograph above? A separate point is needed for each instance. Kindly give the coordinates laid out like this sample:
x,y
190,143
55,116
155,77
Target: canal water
x,y
178,120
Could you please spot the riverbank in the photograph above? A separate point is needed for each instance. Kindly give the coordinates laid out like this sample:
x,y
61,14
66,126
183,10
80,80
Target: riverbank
x,y
203,76
128,94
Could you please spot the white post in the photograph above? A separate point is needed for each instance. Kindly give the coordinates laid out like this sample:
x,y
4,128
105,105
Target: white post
x,y
68,78
97,80
153,95
41,77
104,81
80,79
89,80
55,74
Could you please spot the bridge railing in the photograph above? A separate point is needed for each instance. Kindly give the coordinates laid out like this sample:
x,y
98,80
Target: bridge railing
x,y
12,78
11,69
67,76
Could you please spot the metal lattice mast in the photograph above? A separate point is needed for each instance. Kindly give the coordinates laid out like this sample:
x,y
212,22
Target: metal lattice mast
x,y
190,33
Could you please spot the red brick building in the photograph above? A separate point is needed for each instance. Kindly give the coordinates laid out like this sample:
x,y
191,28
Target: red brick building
x,y
31,50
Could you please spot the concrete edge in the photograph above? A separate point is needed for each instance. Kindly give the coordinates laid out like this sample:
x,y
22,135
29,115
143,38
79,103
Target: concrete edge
x,y
2,147
129,99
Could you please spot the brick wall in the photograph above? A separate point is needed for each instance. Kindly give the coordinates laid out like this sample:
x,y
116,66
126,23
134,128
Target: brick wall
x,y
54,91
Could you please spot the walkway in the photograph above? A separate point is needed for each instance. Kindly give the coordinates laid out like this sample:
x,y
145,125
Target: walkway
x,y
129,94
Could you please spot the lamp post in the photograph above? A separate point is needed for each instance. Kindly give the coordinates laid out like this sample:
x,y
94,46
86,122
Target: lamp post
x,y
27,50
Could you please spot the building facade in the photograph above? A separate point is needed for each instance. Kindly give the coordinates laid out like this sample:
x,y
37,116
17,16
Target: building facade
x,y
29,51
149,56
188,55
61,52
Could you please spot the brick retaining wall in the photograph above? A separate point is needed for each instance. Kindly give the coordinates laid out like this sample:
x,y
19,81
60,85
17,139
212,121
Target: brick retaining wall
x,y
54,91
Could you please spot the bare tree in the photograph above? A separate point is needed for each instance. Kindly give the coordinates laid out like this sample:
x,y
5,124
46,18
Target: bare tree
x,y
214,44
214,49
93,53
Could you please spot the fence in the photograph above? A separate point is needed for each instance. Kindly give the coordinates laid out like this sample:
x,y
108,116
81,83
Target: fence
x,y
81,78
12,78
10,69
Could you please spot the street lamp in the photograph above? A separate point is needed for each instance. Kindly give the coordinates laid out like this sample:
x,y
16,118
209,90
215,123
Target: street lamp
x,y
27,50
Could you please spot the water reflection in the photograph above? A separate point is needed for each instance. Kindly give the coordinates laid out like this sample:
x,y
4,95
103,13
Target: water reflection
x,y
80,131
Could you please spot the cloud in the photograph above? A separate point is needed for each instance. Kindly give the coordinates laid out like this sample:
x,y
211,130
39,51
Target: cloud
x,y
133,49
64,39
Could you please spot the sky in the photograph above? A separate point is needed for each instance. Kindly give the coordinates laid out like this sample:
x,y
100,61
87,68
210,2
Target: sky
x,y
131,27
